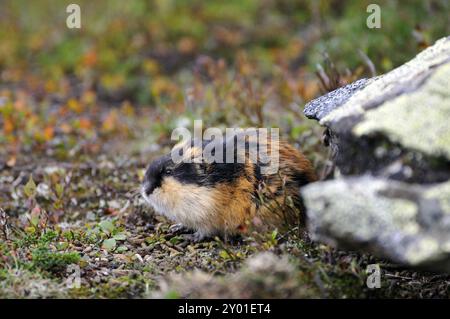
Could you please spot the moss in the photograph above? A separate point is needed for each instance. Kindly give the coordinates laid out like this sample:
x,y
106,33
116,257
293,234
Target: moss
x,y
45,259
23,283
345,286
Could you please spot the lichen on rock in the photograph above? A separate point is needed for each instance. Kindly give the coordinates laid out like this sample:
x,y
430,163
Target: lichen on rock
x,y
384,217
418,120
391,143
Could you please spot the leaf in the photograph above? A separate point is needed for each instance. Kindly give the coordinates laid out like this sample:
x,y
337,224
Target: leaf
x,y
59,189
75,105
109,244
224,254
106,226
120,236
30,230
62,245
121,249
8,126
175,240
110,122
274,235
30,187
35,216
48,133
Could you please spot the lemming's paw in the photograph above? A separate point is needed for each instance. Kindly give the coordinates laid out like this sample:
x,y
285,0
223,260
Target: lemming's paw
x,y
177,229
195,237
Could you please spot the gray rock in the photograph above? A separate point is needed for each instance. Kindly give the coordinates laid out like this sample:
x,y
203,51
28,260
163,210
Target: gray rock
x,y
420,119
394,125
390,137
322,106
409,224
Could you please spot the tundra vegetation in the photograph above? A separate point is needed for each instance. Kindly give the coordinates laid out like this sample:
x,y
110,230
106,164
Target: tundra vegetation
x,y
84,111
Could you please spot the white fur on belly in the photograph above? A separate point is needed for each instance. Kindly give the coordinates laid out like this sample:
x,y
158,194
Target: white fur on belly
x,y
190,205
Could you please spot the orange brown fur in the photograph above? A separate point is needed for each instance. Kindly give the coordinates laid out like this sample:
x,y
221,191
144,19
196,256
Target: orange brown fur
x,y
249,201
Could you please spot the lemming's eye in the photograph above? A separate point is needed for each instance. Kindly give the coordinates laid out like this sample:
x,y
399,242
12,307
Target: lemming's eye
x,y
168,171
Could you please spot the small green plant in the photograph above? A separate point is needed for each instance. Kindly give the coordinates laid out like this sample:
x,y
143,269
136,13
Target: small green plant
x,y
113,235
53,261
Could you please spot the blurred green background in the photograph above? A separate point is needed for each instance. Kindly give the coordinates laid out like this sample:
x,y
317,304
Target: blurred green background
x,y
234,62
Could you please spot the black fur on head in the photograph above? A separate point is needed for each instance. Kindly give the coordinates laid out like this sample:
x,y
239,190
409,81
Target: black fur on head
x,y
205,173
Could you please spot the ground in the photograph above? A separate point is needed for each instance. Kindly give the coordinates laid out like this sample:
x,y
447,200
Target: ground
x,y
84,112
87,213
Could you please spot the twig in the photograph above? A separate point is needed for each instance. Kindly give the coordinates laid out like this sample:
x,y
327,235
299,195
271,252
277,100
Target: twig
x,y
368,62
398,277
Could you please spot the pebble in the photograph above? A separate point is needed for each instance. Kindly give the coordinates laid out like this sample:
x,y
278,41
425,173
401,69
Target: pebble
x,y
138,257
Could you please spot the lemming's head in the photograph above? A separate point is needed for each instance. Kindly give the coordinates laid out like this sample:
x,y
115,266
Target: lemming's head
x,y
177,189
